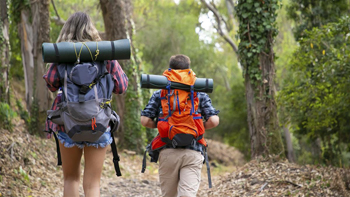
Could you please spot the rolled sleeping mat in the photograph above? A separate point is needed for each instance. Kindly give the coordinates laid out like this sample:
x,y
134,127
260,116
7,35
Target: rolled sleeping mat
x,y
64,52
160,82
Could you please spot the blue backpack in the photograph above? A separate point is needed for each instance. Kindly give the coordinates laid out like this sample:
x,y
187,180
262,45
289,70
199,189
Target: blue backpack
x,y
85,109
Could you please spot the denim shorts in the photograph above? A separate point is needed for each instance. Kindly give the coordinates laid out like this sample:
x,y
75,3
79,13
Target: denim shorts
x,y
103,141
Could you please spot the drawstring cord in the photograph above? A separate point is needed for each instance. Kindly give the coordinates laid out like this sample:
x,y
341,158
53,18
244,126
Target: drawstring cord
x,y
97,51
81,48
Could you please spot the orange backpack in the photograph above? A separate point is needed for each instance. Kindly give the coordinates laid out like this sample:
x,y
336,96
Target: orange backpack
x,y
179,124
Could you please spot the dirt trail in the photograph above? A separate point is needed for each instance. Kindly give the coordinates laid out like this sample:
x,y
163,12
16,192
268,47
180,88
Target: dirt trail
x,y
28,167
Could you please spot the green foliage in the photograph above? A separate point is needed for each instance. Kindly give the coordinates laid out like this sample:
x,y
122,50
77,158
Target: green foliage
x,y
24,175
257,32
164,35
257,27
315,92
15,7
233,127
167,29
134,136
6,115
67,7
23,113
284,46
316,13
2,65
34,120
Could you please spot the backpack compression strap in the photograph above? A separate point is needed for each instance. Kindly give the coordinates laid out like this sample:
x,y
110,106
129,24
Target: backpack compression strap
x,y
208,167
116,158
144,161
59,160
81,95
85,88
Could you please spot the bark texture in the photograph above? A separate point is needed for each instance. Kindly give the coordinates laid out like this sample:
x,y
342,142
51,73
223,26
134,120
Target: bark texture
x,y
263,122
114,21
117,17
34,29
4,52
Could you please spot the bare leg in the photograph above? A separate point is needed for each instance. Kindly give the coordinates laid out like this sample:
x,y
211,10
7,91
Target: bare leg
x,y
71,170
94,158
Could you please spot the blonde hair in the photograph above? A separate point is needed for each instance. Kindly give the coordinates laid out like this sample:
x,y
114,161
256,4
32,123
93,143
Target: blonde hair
x,y
78,28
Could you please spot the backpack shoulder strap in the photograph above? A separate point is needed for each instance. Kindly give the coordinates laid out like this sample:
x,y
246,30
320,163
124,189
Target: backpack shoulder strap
x,y
208,166
116,158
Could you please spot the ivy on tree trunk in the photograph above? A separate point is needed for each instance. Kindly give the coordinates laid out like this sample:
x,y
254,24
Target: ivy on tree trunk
x,y
257,31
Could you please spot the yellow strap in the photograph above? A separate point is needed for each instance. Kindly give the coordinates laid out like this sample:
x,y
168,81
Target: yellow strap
x,y
89,51
91,84
97,51
76,55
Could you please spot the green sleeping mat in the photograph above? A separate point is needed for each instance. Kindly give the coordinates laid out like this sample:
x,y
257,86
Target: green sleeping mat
x,y
160,82
67,52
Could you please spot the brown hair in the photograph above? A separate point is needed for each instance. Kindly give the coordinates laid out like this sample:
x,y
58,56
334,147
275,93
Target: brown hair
x,y
78,28
179,62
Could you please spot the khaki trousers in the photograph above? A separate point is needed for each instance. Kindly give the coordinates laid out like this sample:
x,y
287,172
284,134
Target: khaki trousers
x,y
180,172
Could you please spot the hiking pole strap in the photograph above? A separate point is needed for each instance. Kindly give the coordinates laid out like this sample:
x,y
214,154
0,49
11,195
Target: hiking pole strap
x,y
59,160
208,169
115,157
144,162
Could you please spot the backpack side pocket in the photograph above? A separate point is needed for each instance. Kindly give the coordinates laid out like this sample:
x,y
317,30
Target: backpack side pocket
x,y
55,116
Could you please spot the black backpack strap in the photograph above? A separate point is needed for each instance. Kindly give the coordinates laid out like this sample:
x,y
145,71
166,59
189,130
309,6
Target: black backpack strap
x,y
208,167
116,158
144,162
59,160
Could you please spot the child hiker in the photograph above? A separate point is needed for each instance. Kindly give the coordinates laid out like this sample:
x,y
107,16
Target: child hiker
x,y
179,146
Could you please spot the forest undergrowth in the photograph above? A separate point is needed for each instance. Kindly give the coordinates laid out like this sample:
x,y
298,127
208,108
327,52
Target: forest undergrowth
x,y
28,167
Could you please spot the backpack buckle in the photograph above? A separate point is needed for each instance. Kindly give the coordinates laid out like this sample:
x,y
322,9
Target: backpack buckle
x,y
84,89
193,143
171,93
105,104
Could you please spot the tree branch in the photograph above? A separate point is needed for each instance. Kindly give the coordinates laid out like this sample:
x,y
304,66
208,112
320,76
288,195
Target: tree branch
x,y
54,7
218,20
223,74
57,19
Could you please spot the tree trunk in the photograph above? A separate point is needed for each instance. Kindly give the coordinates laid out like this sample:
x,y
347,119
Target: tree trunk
x,y
263,123
114,21
291,155
34,29
117,16
5,53
256,33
